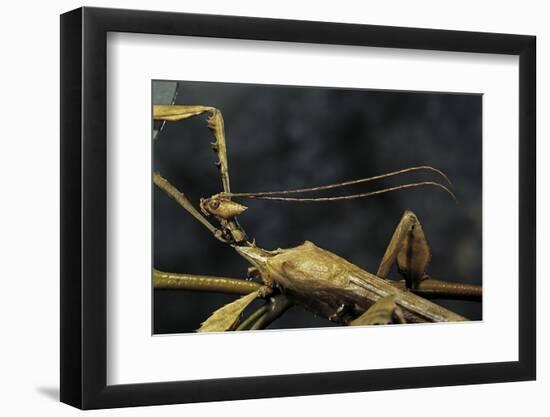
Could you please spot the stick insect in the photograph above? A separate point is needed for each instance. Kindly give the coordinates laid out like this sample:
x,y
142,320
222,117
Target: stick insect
x,y
307,275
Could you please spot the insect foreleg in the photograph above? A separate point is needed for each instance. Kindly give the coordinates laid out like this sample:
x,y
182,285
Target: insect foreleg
x,y
232,231
182,200
215,124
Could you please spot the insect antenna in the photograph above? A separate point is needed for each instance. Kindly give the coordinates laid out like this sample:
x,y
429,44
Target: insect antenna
x,y
281,195
344,197
343,184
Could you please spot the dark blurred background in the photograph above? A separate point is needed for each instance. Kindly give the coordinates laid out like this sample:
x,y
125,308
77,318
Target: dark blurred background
x,y
281,137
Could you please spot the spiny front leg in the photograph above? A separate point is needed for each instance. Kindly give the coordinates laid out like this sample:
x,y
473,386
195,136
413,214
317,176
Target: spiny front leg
x,y
215,124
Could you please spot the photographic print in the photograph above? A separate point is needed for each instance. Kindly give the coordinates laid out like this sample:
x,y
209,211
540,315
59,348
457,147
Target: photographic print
x,y
336,184
292,207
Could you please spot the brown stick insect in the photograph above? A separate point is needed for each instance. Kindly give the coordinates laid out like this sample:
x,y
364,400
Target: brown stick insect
x,y
307,275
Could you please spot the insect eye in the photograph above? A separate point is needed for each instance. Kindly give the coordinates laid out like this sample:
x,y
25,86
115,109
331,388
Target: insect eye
x,y
214,204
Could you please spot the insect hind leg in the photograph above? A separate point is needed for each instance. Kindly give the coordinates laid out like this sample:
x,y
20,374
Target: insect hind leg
x,y
409,248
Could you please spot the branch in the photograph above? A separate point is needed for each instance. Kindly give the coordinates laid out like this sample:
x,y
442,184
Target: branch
x,y
277,305
428,288
169,280
435,288
252,318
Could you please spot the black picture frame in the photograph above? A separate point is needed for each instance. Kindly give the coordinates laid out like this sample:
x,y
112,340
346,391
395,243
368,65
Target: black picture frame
x,y
84,223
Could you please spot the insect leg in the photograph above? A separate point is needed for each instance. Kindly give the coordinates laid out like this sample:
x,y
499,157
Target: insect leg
x,y
384,311
182,200
215,124
409,247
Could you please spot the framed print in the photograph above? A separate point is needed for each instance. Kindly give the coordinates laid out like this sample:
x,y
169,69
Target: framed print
x,y
257,208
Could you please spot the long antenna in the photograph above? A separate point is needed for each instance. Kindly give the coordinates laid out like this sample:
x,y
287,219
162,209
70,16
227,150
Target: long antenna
x,y
340,184
262,196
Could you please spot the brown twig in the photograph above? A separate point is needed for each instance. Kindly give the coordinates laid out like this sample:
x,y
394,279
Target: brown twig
x,y
435,288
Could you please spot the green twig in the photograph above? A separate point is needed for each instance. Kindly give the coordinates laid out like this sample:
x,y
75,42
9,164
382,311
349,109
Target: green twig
x,y
428,288
169,280
252,318
277,306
